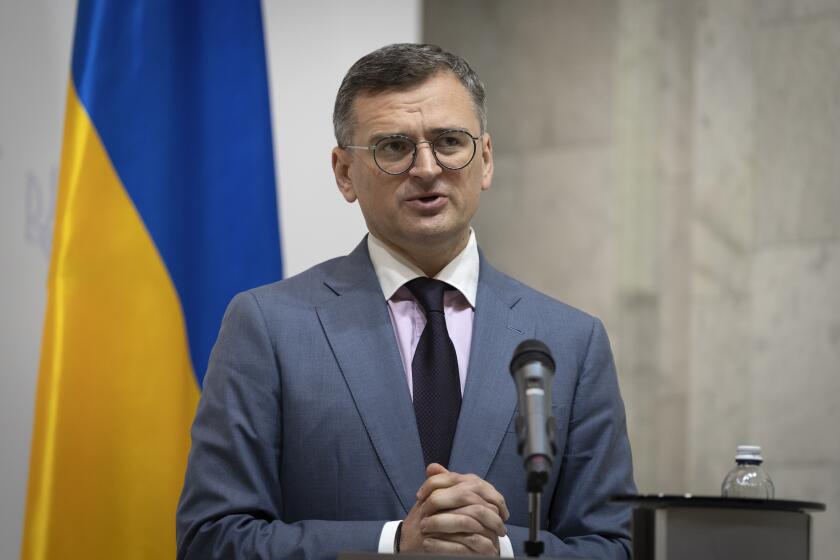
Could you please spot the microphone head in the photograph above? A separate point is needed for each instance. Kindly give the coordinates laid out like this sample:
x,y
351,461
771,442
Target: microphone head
x,y
531,350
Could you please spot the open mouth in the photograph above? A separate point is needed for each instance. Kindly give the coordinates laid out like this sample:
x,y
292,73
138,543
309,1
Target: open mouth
x,y
428,203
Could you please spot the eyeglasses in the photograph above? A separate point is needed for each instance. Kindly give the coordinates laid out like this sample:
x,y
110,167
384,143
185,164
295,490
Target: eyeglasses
x,y
396,154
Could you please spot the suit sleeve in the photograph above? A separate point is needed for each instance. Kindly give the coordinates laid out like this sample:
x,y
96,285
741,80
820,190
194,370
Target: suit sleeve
x,y
231,505
596,465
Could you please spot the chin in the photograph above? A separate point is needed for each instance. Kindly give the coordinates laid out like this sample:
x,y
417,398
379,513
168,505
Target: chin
x,y
437,234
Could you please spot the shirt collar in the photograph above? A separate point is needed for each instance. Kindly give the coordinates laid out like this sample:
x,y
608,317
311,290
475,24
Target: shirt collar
x,y
393,270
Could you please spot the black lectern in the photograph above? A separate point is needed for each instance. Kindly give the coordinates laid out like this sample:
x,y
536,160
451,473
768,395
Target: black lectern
x,y
702,527
372,556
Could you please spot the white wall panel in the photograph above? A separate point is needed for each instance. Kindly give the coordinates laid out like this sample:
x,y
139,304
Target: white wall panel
x,y
310,46
35,42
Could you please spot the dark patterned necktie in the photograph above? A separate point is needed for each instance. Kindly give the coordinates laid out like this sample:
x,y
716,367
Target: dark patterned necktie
x,y
434,372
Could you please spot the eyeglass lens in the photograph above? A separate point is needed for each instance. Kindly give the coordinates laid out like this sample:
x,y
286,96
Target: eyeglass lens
x,y
453,150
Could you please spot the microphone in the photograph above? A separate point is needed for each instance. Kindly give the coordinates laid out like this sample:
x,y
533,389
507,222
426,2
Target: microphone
x,y
532,368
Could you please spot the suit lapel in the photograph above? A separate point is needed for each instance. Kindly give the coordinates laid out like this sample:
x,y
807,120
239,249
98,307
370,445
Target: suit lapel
x,y
361,335
490,393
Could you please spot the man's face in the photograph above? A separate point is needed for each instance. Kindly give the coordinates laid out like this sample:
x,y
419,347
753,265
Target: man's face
x,y
429,206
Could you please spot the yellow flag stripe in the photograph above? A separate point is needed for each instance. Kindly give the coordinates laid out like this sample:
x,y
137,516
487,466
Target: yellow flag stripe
x,y
116,392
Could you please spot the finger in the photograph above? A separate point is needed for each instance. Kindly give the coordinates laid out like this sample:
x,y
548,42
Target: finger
x,y
451,498
488,492
444,523
471,519
455,495
488,518
442,503
435,468
490,495
462,543
437,481
432,545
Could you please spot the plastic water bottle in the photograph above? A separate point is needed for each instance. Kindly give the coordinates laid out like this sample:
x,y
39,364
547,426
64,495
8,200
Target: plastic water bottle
x,y
748,479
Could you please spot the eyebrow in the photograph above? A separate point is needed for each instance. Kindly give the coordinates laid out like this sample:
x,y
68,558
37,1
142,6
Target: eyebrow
x,y
376,137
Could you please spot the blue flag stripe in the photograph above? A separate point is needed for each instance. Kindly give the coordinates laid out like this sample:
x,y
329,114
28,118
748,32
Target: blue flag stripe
x,y
179,96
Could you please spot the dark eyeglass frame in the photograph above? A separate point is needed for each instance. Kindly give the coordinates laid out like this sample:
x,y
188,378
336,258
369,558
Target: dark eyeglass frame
x,y
431,144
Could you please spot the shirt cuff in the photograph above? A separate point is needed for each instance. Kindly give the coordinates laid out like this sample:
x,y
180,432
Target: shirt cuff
x,y
386,537
505,548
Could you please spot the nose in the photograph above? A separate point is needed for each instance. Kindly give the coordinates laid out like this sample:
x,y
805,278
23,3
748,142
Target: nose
x,y
425,165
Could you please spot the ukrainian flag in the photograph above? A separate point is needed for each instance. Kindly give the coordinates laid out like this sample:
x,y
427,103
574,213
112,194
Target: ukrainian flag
x,y
166,209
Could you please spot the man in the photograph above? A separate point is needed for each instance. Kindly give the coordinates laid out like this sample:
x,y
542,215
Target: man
x,y
356,407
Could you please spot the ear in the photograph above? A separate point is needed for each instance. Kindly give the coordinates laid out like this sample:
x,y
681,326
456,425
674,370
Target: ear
x,y
487,160
341,160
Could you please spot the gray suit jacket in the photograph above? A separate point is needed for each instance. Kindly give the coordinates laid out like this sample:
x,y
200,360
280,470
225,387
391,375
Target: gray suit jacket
x,y
305,442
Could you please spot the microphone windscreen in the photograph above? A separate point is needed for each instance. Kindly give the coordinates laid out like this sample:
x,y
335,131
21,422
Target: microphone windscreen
x,y
531,350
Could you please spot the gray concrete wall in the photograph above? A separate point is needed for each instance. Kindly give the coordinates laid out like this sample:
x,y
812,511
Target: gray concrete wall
x,y
673,167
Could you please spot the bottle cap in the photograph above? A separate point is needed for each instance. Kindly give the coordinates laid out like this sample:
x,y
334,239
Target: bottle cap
x,y
748,453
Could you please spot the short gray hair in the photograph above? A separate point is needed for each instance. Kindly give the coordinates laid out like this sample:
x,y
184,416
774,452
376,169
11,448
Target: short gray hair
x,y
397,67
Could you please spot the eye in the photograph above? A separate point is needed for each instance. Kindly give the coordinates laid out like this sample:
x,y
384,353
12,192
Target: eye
x,y
452,141
394,146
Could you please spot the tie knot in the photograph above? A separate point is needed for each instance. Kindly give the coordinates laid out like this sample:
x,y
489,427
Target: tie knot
x,y
429,293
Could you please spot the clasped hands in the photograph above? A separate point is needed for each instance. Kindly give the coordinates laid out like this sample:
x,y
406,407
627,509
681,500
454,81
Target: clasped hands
x,y
454,514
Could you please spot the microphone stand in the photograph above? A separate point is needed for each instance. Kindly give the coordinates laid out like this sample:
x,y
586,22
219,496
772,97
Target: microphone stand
x,y
538,468
534,546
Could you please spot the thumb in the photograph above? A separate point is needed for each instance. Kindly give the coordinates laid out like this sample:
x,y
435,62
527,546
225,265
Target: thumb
x,y
435,468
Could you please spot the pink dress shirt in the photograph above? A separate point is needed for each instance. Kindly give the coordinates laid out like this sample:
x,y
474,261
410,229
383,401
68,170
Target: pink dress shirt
x,y
407,315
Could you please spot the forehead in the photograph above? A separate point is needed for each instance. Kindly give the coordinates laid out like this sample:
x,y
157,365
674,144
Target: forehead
x,y
439,102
